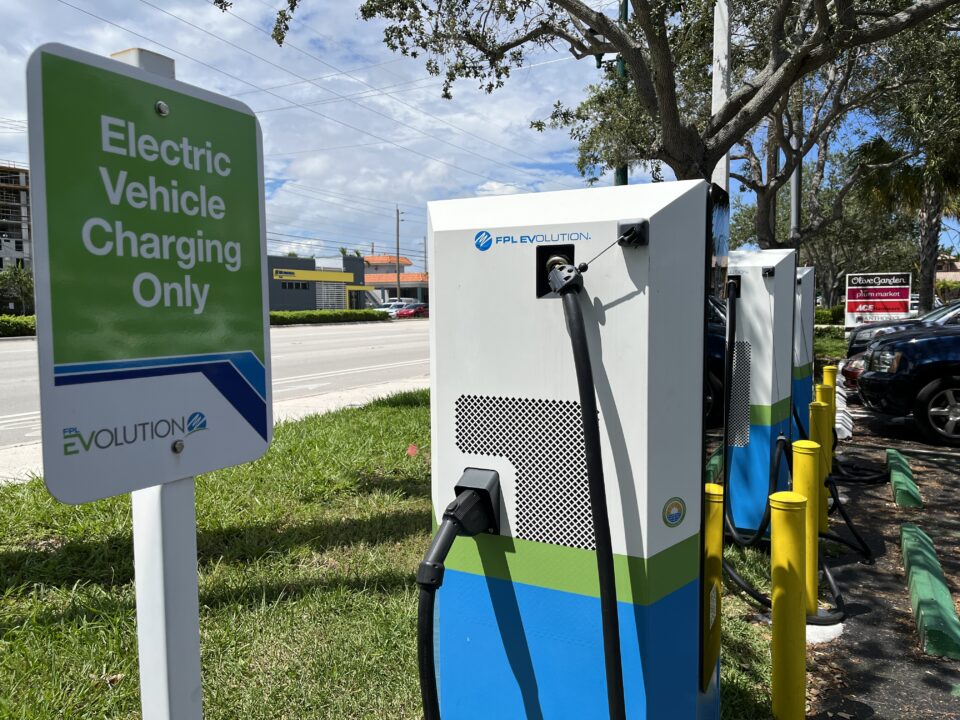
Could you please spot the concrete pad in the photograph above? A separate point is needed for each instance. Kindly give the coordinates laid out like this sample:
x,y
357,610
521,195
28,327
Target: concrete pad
x,y
819,634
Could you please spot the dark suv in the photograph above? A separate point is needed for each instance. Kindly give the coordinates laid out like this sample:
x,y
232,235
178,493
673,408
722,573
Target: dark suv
x,y
917,371
863,335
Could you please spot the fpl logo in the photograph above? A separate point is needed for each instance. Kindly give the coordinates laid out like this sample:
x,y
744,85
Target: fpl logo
x,y
196,422
483,240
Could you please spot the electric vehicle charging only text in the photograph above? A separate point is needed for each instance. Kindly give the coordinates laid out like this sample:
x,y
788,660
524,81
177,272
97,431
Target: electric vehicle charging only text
x,y
564,580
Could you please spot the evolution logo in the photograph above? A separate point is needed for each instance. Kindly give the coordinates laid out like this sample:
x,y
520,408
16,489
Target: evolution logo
x,y
75,441
483,240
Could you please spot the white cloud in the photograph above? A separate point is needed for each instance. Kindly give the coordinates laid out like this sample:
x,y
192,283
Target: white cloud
x,y
343,163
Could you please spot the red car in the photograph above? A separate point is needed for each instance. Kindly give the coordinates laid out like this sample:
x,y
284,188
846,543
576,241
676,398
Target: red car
x,y
852,369
414,310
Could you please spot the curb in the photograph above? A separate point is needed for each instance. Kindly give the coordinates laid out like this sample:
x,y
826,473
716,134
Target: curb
x,y
933,608
905,491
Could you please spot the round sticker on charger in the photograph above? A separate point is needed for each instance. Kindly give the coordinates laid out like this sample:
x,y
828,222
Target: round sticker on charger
x,y
674,510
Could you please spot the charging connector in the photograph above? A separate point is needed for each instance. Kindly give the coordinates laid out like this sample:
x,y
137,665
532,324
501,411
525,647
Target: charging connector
x,y
474,510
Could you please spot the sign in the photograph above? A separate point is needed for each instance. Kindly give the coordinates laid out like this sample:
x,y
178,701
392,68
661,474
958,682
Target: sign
x,y
877,296
152,312
312,275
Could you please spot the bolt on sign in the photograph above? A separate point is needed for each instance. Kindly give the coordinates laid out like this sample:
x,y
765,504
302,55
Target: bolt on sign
x,y
152,311
877,296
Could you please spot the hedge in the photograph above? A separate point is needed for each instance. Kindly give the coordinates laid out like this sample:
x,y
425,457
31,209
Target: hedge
x,y
313,317
830,331
17,325
23,325
829,316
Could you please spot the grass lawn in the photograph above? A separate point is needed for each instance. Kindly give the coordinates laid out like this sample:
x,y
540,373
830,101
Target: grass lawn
x,y
307,597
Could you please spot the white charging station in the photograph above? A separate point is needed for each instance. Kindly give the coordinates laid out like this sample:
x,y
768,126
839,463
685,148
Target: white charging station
x,y
761,387
518,625
805,304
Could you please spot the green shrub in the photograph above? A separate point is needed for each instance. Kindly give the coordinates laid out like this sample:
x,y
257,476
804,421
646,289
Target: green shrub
x,y
829,316
311,317
831,331
17,325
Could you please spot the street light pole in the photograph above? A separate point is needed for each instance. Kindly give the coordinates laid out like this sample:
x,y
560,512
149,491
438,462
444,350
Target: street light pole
x,y
620,173
721,79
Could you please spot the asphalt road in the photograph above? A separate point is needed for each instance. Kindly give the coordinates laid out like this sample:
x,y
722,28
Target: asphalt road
x,y
307,361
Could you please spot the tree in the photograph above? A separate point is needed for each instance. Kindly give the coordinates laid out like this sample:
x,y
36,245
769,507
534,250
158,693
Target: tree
x,y
292,253
859,238
665,49
16,285
922,119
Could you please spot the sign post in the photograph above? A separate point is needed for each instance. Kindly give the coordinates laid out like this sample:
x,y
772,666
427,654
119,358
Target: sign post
x,y
877,296
152,317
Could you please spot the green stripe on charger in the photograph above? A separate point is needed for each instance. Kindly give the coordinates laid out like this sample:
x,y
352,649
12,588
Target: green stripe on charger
x,y
770,414
804,371
641,581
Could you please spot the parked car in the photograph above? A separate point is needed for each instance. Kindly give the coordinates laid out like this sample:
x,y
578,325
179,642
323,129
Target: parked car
x,y
414,310
391,308
917,371
862,336
851,369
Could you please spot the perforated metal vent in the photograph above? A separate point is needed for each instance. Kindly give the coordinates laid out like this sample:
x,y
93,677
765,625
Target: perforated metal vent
x,y
740,395
543,440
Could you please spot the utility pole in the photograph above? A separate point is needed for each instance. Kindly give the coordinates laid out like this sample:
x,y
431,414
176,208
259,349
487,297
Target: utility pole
x,y
398,252
721,79
796,179
620,173
426,263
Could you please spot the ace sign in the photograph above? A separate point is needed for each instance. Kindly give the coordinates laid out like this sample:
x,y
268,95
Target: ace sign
x,y
152,313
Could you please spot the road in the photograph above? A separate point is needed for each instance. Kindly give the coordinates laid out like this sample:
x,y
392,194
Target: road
x,y
308,362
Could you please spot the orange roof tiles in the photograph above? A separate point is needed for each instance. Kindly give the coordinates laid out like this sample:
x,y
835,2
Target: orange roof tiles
x,y
385,260
387,278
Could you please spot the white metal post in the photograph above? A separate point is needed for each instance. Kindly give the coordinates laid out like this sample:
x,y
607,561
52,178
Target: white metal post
x,y
165,565
721,79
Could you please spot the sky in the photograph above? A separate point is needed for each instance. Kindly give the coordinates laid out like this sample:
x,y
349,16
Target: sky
x,y
375,133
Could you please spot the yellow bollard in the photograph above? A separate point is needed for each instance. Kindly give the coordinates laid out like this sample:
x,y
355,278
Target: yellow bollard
x,y
789,644
830,380
820,433
712,569
806,481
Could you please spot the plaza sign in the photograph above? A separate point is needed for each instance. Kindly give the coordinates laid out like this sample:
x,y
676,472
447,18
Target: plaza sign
x,y
877,296
152,313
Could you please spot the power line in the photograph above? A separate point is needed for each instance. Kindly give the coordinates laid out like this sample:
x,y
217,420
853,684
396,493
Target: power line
x,y
321,242
321,77
315,227
373,87
310,110
299,21
364,199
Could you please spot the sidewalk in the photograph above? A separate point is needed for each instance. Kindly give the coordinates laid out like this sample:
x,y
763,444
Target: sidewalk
x,y
875,670
22,462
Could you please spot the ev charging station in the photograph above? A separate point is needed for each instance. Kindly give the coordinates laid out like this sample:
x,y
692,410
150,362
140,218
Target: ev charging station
x,y
804,305
761,383
518,630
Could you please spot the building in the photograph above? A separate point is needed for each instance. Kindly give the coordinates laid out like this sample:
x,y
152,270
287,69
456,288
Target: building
x,y
948,268
381,273
310,284
16,247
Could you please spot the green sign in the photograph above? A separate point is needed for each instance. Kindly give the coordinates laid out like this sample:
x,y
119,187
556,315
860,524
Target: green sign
x,y
151,282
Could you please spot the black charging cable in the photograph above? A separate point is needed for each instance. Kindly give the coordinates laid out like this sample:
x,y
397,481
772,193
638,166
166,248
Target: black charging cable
x,y
567,281
475,510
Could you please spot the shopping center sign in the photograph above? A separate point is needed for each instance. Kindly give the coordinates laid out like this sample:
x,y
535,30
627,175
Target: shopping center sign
x,y
150,275
877,296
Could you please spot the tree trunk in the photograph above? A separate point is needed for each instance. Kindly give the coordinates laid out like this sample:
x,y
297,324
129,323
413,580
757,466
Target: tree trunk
x,y
931,218
765,218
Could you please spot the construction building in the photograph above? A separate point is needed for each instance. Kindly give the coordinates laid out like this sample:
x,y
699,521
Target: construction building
x,y
15,231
